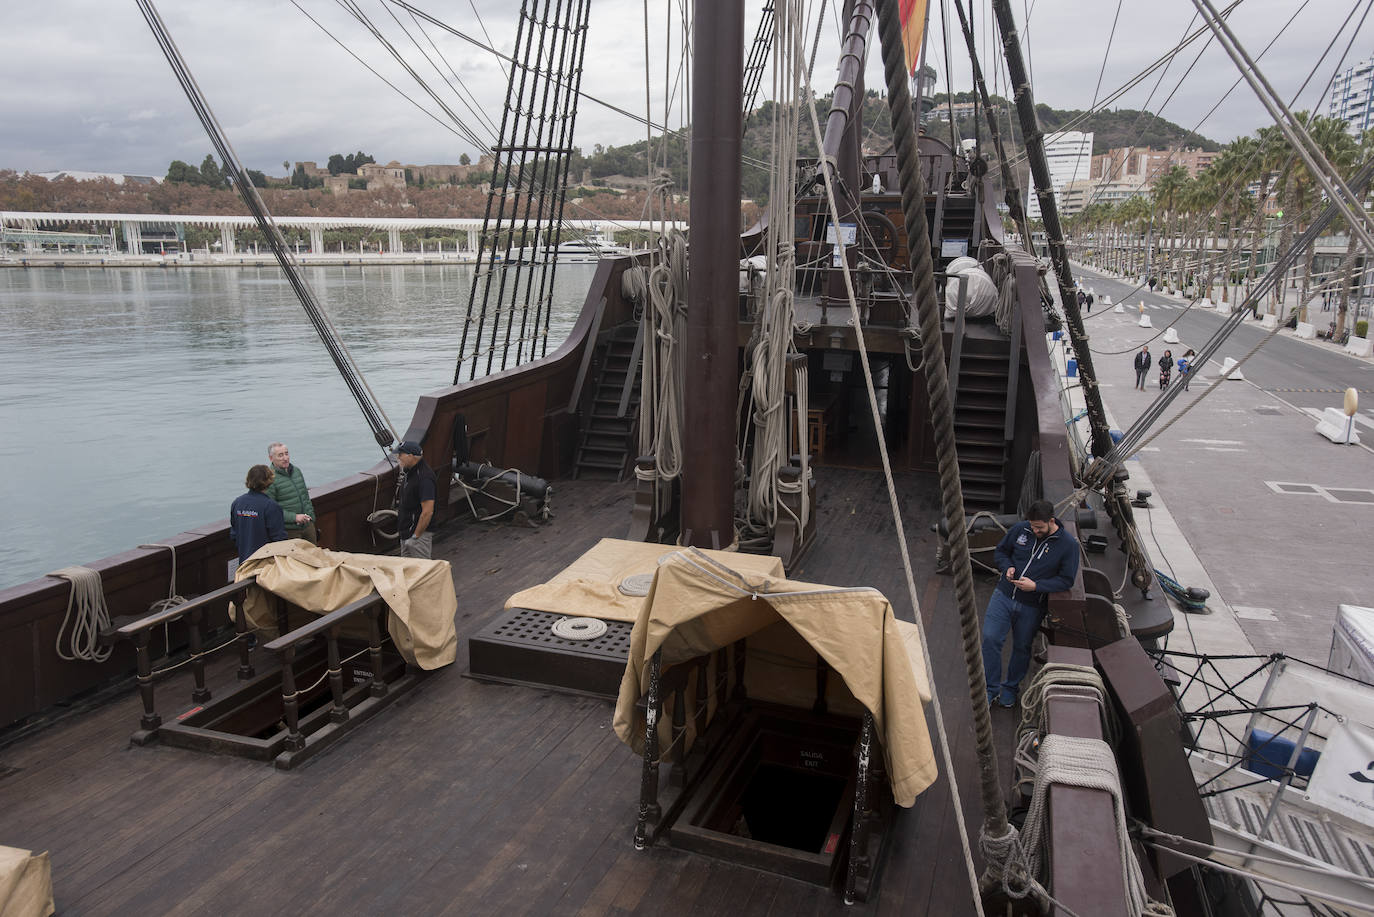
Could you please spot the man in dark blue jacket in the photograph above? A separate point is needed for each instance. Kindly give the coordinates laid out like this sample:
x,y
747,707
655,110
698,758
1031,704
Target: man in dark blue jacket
x,y
255,518
1034,558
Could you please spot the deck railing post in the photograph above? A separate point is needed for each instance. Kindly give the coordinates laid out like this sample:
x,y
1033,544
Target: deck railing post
x,y
678,776
200,694
339,712
374,650
649,812
246,670
150,719
295,740
858,832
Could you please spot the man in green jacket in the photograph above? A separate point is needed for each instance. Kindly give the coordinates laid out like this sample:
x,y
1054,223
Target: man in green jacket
x,y
288,489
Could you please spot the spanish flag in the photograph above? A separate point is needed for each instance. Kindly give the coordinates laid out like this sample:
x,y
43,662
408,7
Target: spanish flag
x,y
913,23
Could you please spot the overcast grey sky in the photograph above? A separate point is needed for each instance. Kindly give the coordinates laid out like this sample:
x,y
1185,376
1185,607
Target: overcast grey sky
x,y
86,87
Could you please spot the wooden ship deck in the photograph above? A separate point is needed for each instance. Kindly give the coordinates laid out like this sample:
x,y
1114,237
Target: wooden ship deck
x,y
465,796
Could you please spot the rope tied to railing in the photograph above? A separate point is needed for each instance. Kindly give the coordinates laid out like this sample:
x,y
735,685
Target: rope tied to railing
x,y
87,615
1088,763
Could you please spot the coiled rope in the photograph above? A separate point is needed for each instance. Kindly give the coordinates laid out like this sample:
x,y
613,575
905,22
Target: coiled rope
x,y
87,615
1089,763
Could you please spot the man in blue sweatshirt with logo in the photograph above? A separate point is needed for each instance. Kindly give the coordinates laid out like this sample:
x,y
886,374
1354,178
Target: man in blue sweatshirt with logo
x,y
1034,558
255,518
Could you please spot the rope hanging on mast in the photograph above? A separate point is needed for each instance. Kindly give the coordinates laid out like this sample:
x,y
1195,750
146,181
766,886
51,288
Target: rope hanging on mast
x,y
382,430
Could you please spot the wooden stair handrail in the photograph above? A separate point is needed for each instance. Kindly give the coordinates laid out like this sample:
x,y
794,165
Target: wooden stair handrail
x,y
322,624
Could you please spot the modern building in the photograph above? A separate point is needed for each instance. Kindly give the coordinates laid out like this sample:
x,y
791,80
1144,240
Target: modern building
x,y
1136,164
1076,195
1070,159
1352,97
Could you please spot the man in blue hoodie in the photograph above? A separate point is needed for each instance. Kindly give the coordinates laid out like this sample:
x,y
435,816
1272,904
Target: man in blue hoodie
x,y
1035,558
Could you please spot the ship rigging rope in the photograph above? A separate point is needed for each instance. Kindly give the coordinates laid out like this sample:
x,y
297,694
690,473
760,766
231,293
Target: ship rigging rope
x,y
382,430
87,615
772,342
937,382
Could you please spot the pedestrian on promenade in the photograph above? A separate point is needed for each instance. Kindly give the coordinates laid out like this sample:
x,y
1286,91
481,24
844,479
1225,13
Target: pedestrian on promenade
x,y
1035,558
255,518
288,489
417,502
1082,300
1166,369
1090,303
1185,367
1143,362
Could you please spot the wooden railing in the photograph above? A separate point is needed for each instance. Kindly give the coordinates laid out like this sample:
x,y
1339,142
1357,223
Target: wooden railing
x,y
140,634
329,627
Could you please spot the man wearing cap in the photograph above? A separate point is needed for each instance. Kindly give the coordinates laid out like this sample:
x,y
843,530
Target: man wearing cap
x,y
289,490
417,502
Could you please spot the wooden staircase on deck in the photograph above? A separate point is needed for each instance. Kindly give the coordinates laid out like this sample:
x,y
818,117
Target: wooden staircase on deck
x,y
980,420
606,442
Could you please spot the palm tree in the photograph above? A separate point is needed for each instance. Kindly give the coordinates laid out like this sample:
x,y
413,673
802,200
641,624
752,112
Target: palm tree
x,y
1167,190
1336,144
1347,268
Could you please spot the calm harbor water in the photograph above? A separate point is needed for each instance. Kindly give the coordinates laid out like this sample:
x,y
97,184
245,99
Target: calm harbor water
x,y
133,400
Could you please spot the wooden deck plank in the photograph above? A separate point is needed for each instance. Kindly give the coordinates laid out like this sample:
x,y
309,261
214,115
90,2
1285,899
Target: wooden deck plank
x,y
466,796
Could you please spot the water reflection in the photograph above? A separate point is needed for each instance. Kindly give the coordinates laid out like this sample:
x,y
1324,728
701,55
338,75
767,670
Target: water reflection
x,y
133,400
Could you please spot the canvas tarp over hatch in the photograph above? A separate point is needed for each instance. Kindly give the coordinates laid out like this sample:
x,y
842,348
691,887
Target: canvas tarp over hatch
x,y
419,593
697,606
25,883
590,586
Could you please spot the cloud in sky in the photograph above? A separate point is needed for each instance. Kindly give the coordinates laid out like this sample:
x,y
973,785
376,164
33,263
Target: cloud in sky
x,y
89,89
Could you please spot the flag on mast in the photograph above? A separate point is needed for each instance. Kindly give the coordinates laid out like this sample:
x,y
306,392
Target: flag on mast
x,y
913,24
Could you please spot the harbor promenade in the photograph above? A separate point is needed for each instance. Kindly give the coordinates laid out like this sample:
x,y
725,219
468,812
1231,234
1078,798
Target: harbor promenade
x,y
1248,501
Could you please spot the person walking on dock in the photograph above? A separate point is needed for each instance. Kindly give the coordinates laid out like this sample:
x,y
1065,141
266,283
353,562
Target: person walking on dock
x,y
1035,557
1143,362
288,488
1166,369
417,502
255,518
1185,367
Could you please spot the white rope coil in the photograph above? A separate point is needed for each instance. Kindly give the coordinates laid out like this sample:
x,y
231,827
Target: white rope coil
x,y
1089,763
87,615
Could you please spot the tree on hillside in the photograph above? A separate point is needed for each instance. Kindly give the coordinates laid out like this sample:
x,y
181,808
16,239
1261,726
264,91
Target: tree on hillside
x,y
340,163
258,179
180,171
211,174
465,160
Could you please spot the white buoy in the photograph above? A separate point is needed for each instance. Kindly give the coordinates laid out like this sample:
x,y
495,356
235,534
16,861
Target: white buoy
x,y
1170,336
1119,309
1204,303
1106,299
1307,331
1359,347
1228,371
1145,321
1269,321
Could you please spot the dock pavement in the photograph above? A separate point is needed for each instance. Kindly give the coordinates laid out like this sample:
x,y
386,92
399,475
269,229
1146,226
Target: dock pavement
x,y
1248,501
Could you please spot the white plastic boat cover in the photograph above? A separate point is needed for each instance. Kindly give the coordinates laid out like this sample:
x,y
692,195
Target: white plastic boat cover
x,y
698,605
25,883
980,300
589,587
1352,643
419,593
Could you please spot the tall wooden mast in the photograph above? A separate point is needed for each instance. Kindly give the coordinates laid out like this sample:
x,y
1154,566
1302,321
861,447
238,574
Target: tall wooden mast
x,y
711,374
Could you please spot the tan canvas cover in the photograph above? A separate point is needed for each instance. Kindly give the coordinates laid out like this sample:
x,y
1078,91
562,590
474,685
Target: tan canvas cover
x,y
419,593
590,586
697,605
25,883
